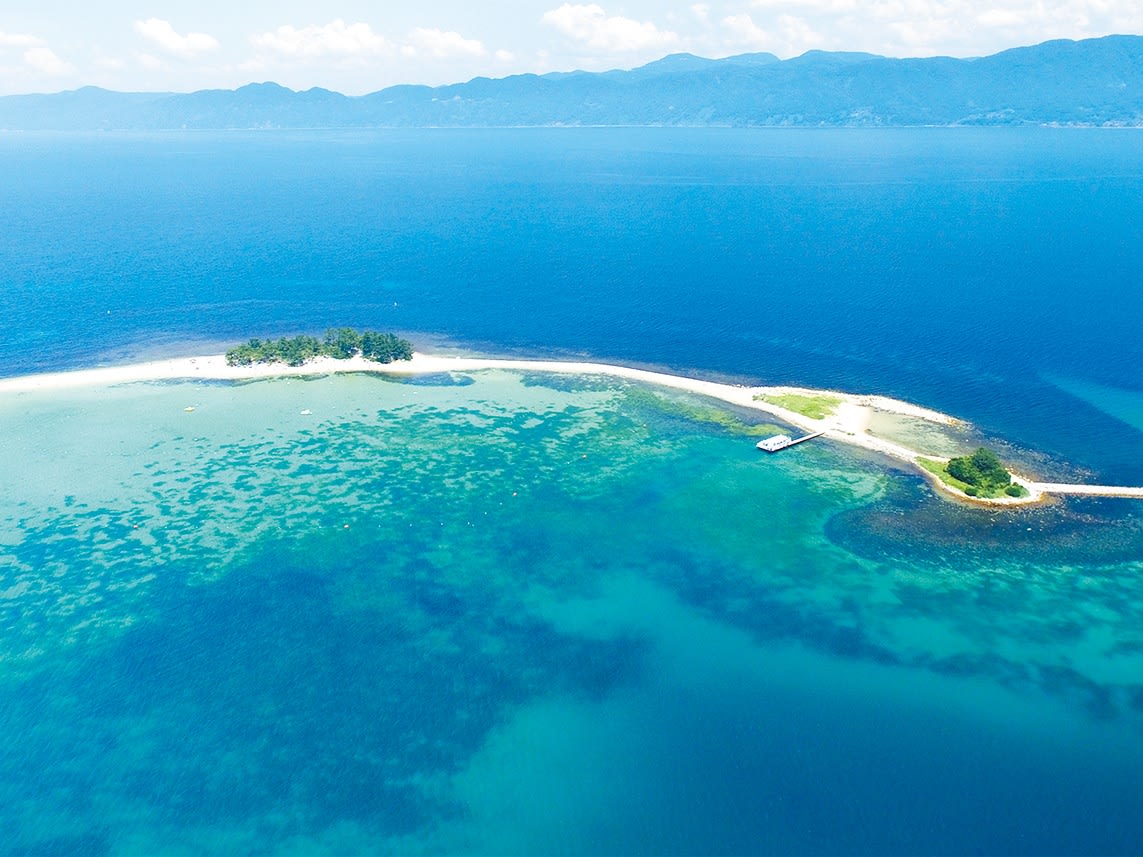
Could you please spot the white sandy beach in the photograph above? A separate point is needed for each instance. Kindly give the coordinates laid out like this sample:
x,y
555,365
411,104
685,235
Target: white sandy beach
x,y
848,424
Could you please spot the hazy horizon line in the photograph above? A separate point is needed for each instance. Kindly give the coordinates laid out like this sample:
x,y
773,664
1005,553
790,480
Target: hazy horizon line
x,y
776,60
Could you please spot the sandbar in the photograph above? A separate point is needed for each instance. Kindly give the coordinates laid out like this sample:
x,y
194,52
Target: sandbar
x,y
848,423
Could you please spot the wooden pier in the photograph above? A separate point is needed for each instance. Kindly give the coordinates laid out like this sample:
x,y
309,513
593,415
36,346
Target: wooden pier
x,y
783,441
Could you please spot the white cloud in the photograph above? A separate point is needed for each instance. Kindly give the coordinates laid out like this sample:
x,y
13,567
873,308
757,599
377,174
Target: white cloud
x,y
162,34
838,6
927,27
335,39
440,44
785,35
702,12
505,56
36,55
798,35
1000,18
591,26
44,60
923,37
18,40
150,62
742,32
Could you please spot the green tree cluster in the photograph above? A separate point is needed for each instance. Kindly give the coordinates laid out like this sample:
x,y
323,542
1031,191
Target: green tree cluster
x,y
981,471
340,343
385,347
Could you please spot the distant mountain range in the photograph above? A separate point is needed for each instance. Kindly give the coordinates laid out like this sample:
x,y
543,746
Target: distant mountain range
x,y
1090,82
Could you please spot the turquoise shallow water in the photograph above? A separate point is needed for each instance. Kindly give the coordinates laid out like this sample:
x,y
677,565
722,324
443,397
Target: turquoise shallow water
x,y
516,613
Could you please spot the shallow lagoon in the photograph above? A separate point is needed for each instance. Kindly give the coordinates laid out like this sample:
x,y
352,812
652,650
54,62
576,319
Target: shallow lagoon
x,y
507,612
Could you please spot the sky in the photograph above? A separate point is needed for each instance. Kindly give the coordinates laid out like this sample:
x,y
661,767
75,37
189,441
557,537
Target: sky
x,y
359,46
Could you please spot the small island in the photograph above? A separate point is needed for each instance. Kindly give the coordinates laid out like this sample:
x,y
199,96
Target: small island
x,y
339,343
978,478
978,475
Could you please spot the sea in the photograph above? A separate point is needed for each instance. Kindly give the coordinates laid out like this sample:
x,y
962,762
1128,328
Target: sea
x,y
506,612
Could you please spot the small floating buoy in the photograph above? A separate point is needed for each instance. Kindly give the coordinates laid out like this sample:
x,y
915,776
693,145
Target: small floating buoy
x,y
188,409
306,412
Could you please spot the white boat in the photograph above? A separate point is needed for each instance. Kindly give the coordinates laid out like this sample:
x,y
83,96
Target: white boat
x,y
775,443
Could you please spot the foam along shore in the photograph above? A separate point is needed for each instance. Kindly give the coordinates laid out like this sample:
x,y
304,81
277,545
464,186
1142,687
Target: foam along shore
x,y
847,421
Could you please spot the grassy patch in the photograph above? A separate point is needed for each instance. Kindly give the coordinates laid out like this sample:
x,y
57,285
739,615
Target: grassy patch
x,y
814,407
941,471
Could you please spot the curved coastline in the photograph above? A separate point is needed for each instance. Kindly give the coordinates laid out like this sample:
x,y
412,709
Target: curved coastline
x,y
848,423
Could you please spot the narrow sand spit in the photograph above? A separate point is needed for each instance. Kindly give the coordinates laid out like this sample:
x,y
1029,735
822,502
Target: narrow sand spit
x,y
848,423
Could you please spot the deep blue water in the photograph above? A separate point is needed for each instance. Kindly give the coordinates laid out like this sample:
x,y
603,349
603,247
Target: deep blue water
x,y
503,615
954,267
